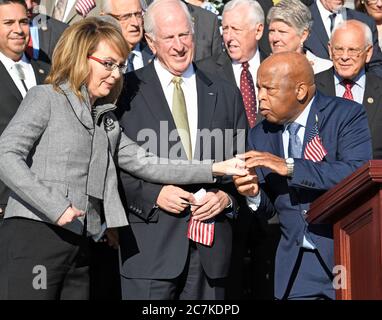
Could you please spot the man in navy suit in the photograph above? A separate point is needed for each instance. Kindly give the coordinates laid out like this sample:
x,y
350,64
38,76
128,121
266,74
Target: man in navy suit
x,y
328,13
351,48
286,182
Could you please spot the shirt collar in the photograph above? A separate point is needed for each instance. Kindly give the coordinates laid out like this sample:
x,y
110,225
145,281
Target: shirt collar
x,y
137,50
9,63
253,61
165,77
359,80
302,119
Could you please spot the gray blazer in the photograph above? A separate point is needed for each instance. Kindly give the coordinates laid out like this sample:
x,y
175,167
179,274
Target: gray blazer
x,y
53,156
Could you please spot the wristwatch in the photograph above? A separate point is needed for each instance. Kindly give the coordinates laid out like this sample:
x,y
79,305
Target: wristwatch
x,y
290,166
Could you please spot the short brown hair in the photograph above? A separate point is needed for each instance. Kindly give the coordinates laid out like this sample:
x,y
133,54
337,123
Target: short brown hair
x,y
70,57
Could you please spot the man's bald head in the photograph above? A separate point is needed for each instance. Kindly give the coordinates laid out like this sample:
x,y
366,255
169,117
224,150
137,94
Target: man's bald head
x,y
292,65
286,86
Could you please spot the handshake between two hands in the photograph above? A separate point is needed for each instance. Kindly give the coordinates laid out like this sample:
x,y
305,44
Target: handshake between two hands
x,y
243,166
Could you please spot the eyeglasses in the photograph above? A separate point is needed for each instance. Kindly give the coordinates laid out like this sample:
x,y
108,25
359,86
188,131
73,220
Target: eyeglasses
x,y
352,52
110,65
127,16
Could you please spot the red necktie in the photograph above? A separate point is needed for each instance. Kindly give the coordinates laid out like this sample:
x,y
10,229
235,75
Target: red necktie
x,y
29,48
348,84
248,93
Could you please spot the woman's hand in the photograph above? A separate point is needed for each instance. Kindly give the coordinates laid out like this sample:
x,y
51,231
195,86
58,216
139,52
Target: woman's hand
x,y
231,167
70,214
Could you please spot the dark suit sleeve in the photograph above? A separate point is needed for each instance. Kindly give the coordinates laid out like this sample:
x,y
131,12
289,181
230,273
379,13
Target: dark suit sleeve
x,y
353,150
139,196
217,39
266,209
375,64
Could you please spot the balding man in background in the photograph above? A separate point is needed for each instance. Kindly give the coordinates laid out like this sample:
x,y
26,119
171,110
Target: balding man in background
x,y
351,48
129,14
288,175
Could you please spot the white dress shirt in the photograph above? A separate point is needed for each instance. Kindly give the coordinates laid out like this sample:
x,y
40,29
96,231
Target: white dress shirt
x,y
254,64
357,90
340,17
138,58
30,78
190,95
302,119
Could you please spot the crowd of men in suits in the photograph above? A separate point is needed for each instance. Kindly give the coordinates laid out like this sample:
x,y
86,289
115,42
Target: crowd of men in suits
x,y
226,81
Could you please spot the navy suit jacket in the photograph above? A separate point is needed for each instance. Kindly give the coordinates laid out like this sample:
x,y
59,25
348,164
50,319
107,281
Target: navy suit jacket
x,y
346,137
317,41
372,101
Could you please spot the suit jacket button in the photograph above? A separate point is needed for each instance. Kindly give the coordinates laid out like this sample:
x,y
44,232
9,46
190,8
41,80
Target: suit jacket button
x,y
297,243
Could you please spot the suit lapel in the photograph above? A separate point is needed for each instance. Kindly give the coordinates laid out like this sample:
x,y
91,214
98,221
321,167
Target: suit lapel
x,y
207,96
154,97
8,82
147,55
315,115
40,70
327,82
319,28
372,97
80,108
225,65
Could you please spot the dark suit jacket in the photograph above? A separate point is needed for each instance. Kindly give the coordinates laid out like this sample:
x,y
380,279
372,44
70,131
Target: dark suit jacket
x,y
346,137
9,103
221,65
161,238
318,39
372,101
48,34
208,40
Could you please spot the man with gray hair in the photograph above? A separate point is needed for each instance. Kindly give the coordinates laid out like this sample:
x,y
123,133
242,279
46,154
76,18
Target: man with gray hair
x,y
174,104
129,14
329,13
351,48
243,24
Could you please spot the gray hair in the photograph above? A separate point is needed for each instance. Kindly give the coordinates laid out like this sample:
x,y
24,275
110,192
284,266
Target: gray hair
x,y
154,8
366,30
106,5
255,13
293,13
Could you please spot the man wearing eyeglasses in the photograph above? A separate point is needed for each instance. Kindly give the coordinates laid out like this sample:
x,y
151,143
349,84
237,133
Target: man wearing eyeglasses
x,y
177,106
350,48
326,15
129,14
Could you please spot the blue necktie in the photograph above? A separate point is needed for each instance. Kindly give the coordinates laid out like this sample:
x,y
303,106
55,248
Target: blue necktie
x,y
332,18
295,145
130,59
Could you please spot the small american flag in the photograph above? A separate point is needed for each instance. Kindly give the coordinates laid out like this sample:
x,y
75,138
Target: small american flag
x,y
314,150
201,231
83,7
